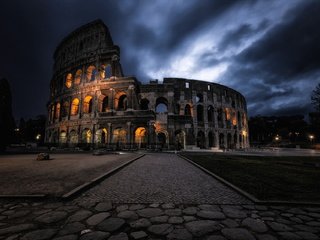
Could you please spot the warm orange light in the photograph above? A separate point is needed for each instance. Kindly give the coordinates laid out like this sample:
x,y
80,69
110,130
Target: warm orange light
x,y
75,107
69,80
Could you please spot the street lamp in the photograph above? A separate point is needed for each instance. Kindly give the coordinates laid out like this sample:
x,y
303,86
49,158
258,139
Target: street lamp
x,y
311,137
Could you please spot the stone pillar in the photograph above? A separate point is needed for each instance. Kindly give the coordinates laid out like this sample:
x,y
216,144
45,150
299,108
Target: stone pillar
x,y
171,103
129,133
109,133
216,134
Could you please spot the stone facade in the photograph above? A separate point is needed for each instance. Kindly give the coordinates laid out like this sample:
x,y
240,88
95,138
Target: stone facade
x,y
92,103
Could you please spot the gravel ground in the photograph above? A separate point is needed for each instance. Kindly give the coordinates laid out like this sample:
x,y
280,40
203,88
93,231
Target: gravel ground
x,y
22,174
162,178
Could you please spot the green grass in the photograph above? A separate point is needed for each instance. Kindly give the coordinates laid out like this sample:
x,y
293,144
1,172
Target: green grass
x,y
267,178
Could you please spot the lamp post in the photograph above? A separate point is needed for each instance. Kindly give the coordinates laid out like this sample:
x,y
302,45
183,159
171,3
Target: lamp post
x,y
311,137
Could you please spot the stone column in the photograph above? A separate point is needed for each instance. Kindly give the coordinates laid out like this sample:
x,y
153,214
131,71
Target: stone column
x,y
109,134
129,133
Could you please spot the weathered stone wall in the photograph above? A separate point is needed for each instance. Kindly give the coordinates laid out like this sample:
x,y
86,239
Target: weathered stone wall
x,y
92,103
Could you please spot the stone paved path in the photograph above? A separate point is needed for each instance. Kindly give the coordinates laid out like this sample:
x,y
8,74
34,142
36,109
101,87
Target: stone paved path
x,y
103,220
90,218
163,178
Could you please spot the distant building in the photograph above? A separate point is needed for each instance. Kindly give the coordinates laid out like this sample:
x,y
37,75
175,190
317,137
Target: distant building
x,y
93,103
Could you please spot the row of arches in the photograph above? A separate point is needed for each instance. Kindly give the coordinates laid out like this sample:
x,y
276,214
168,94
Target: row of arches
x,y
225,140
118,136
63,109
90,74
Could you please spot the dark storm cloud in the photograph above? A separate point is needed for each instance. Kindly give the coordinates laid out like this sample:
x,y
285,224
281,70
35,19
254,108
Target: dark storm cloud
x,y
289,49
240,34
155,35
287,55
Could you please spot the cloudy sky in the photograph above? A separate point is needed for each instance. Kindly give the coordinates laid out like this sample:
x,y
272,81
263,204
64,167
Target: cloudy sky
x,y
267,50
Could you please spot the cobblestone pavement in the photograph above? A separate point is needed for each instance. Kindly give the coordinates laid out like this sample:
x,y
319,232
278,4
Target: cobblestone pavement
x,y
92,217
163,178
68,221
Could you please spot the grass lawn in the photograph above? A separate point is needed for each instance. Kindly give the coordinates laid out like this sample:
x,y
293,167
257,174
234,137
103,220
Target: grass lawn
x,y
265,177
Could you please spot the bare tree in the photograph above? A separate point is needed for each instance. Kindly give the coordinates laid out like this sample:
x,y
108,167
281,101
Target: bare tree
x,y
315,98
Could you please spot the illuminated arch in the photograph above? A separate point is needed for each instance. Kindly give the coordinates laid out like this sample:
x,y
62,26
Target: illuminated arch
x,y
119,136
75,107
57,111
87,104
86,136
90,74
73,136
63,137
69,80
140,136
101,136
77,78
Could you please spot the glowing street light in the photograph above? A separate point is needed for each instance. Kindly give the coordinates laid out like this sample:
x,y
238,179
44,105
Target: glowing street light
x,y
311,137
38,136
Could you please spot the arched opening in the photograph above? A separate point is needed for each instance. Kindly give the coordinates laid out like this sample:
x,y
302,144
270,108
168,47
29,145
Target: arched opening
x,y
119,136
75,107
87,104
105,104
187,110
57,111
73,137
77,78
161,105
199,98
101,136
210,114
140,137
211,139
122,103
65,109
161,139
220,118
240,140
63,137
201,139
144,104
86,136
200,113
221,141
177,109
180,139
108,71
69,80
91,72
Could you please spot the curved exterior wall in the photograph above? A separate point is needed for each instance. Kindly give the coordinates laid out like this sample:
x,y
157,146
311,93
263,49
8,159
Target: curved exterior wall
x,y
92,103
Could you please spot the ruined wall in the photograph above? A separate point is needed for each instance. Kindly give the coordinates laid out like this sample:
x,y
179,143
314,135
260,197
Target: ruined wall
x,y
93,104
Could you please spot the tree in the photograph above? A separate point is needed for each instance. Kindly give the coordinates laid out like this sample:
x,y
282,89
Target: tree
x,y
315,98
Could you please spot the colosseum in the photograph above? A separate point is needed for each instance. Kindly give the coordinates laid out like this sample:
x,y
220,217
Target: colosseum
x,y
93,104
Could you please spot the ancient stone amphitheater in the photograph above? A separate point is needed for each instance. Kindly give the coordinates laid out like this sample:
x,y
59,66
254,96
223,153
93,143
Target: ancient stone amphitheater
x,y
93,104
